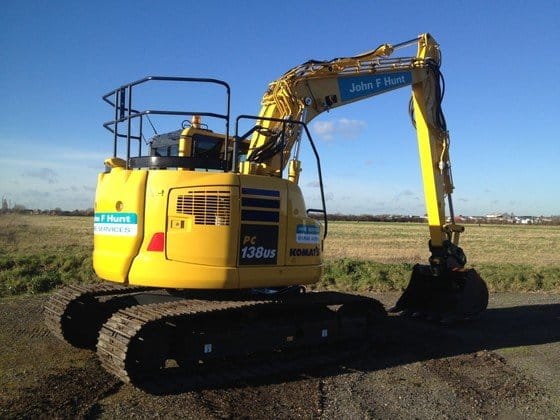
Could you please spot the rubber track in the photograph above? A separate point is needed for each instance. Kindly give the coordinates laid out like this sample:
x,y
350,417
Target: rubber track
x,y
259,370
56,307
118,332
122,327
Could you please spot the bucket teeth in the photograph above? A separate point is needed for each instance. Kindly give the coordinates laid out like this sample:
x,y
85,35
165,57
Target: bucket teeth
x,y
450,297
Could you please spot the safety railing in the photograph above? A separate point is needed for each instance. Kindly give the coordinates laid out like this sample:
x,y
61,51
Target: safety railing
x,y
121,126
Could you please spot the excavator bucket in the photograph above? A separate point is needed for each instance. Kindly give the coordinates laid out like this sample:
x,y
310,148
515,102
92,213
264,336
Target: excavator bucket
x,y
448,297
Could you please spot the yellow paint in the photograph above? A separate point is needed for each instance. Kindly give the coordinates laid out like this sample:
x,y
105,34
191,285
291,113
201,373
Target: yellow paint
x,y
197,256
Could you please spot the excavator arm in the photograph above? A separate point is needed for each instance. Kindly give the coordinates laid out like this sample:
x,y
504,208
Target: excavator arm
x,y
313,87
317,86
309,89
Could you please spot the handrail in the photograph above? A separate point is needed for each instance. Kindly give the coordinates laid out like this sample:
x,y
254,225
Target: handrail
x,y
121,100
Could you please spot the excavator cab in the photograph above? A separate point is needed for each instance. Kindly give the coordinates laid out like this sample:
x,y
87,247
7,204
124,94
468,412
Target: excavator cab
x,y
197,142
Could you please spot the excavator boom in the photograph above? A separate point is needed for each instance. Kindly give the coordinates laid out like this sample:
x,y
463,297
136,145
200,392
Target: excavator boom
x,y
313,87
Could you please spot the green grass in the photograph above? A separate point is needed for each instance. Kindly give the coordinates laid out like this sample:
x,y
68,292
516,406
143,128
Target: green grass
x,y
364,276
355,275
38,253
520,277
43,272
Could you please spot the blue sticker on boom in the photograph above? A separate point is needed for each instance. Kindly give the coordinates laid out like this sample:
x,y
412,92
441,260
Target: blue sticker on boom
x,y
358,86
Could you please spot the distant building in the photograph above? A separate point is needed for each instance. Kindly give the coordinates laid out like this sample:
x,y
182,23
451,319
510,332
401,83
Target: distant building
x,y
525,220
500,218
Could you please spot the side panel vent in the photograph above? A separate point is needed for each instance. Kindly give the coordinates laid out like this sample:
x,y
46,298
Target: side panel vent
x,y
207,207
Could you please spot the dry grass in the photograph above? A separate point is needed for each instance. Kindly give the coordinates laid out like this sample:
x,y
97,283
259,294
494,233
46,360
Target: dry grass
x,y
408,243
38,253
380,242
27,235
379,256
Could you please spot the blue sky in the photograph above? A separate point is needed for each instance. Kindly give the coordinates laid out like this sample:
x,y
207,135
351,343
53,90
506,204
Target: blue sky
x,y
500,62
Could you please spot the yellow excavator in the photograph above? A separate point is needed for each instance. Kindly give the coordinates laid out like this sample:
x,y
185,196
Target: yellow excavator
x,y
205,243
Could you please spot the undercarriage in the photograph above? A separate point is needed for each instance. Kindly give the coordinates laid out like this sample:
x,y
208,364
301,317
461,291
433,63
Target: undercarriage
x,y
154,336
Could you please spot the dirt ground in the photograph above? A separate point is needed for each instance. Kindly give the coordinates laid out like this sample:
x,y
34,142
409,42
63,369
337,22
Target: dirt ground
x,y
506,364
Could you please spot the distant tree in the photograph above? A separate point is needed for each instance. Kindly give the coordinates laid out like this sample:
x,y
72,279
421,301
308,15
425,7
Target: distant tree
x,y
19,208
5,205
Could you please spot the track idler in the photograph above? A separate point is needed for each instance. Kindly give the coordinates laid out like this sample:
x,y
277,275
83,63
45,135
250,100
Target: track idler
x,y
448,296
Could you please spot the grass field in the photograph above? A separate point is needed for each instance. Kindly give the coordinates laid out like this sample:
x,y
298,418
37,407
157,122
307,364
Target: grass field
x,y
508,257
38,253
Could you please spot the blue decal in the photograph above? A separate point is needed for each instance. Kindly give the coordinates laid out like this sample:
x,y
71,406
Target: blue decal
x,y
307,229
308,234
115,224
120,218
358,86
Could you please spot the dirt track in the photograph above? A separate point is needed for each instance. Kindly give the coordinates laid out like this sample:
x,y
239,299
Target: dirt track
x,y
505,364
